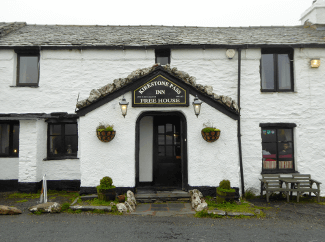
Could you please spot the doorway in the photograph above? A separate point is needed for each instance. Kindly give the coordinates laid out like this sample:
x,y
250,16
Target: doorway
x,y
161,150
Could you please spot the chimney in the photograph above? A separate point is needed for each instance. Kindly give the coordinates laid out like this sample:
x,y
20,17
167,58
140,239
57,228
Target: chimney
x,y
314,14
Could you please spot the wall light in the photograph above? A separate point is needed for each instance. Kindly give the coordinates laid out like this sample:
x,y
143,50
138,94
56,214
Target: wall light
x,y
197,106
315,63
124,106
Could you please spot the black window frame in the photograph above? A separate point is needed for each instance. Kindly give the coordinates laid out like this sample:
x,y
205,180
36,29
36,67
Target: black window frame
x,y
276,52
24,53
11,152
62,123
162,53
278,126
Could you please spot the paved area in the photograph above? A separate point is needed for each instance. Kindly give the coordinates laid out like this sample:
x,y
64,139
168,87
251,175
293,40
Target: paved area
x,y
164,209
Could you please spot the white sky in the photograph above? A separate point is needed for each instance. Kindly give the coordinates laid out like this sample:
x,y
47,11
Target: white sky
x,y
210,13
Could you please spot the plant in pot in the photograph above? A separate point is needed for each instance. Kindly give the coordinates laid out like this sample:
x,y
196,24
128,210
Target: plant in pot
x,y
106,191
225,193
105,133
210,134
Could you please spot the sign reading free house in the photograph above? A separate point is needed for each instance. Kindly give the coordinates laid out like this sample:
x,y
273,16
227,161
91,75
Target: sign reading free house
x,y
160,91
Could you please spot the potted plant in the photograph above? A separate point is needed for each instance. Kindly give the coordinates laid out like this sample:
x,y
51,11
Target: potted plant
x,y
225,193
105,133
106,191
210,134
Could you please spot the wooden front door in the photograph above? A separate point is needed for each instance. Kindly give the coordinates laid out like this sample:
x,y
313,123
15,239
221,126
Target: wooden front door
x,y
167,151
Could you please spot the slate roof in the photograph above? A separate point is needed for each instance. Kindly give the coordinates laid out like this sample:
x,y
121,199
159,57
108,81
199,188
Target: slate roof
x,y
6,28
68,35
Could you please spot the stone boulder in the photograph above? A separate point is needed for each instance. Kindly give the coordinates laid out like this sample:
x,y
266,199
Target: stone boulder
x,y
6,210
121,207
49,207
197,201
131,197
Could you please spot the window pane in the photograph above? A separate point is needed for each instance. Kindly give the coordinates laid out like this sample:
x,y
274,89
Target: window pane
x,y
268,135
55,129
169,139
71,143
269,155
284,71
161,139
267,71
285,150
161,129
4,139
169,128
56,146
285,135
162,60
70,129
15,145
28,72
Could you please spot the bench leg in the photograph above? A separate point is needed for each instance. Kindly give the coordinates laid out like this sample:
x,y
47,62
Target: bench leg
x,y
268,196
287,194
298,195
262,184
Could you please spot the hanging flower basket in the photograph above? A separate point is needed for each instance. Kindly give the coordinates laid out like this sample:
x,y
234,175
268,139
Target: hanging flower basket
x,y
105,133
106,136
210,134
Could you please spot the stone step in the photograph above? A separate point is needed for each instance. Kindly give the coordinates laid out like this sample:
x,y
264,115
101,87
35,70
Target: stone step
x,y
151,196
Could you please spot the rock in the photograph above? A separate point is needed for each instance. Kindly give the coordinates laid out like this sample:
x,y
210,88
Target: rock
x,y
49,207
216,96
196,198
130,197
129,207
208,90
117,83
81,103
257,211
227,100
218,212
202,206
200,87
6,210
233,214
234,105
94,95
106,89
192,81
121,207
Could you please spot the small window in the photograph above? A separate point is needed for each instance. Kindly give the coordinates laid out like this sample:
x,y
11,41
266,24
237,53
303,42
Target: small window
x,y
277,70
277,149
27,69
163,56
62,140
9,139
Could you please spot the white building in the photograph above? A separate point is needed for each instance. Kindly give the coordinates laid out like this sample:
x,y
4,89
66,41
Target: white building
x,y
256,85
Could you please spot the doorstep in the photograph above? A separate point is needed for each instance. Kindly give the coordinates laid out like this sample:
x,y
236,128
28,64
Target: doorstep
x,y
151,195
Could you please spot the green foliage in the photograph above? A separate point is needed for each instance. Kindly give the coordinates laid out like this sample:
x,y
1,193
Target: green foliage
x,y
22,201
97,202
65,206
249,195
209,129
205,214
105,127
24,195
224,184
226,190
106,183
37,212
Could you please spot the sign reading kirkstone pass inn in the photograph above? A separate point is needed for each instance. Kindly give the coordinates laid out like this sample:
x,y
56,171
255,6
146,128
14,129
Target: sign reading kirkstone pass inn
x,y
160,91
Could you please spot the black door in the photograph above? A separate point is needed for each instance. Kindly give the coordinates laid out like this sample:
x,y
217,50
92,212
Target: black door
x,y
167,152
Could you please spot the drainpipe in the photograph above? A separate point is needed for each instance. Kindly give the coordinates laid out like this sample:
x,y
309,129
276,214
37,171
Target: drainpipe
x,y
238,127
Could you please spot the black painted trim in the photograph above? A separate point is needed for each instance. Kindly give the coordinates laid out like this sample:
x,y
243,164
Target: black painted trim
x,y
29,187
65,185
142,80
284,125
93,190
8,185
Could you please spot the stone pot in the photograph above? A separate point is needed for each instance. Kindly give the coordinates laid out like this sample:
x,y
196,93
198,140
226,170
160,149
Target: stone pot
x,y
105,136
210,136
106,194
225,196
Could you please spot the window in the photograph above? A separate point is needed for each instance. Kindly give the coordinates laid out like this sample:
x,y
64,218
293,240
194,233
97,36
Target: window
x,y
9,139
277,148
163,56
62,140
27,69
277,70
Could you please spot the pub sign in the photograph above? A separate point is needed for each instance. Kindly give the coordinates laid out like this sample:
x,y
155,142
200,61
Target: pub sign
x,y
160,91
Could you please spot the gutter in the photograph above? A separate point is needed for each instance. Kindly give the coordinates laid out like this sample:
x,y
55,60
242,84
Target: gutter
x,y
238,127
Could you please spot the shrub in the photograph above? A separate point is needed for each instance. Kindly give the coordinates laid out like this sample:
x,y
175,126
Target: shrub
x,y
106,183
224,184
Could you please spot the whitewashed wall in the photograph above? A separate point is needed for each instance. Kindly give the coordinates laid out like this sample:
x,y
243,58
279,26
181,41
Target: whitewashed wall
x,y
208,163
304,106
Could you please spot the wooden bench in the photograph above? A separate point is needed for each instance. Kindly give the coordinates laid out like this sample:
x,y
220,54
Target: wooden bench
x,y
271,183
295,182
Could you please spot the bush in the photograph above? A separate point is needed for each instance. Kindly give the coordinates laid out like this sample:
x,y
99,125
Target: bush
x,y
224,184
106,183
